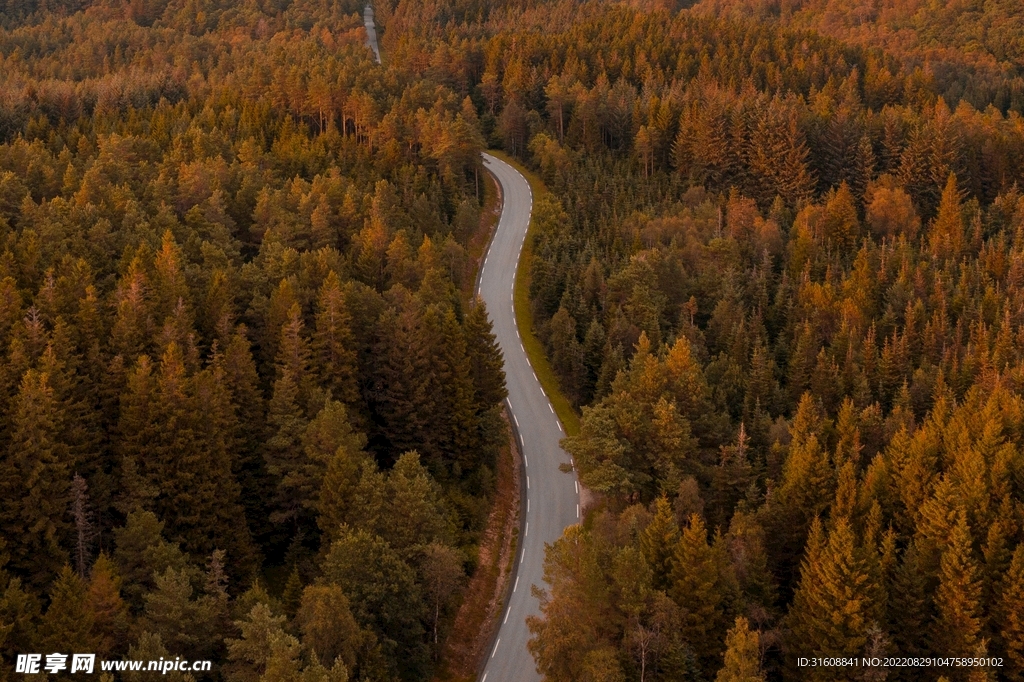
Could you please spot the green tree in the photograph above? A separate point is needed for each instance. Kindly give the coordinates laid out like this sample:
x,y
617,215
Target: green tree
x,y
333,346
68,622
328,628
108,611
35,481
702,586
833,572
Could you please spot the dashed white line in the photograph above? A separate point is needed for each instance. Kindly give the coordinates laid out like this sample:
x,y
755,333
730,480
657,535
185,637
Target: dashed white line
x,y
516,585
528,532
522,558
521,441
484,678
577,511
551,408
506,615
521,348
517,420
575,483
535,378
517,334
527,505
560,427
496,647
527,482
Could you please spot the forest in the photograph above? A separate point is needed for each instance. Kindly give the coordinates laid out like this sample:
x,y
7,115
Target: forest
x,y
250,411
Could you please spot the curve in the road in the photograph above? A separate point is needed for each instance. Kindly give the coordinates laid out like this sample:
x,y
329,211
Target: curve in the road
x,y
371,32
551,500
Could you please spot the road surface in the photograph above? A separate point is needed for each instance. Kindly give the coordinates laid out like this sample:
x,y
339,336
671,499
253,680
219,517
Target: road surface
x,y
552,498
371,32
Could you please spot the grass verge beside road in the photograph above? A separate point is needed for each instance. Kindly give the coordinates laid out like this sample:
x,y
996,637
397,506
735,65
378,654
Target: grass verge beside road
x,y
524,318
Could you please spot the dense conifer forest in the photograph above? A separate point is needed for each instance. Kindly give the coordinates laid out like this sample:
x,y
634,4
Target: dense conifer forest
x,y
248,411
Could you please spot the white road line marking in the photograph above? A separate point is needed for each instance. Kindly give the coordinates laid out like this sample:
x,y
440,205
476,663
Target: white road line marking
x,y
527,505
577,487
551,408
523,557
517,419
560,426
506,615
521,348
527,482
516,585
577,511
484,678
525,535
496,647
521,442
535,377
512,297
517,333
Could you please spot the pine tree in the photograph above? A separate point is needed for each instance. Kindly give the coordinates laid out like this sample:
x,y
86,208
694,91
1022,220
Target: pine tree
x,y
742,654
283,451
958,598
141,552
327,626
34,482
383,594
485,358
1010,612
150,647
334,353
68,622
946,236
658,542
702,587
342,470
185,620
832,609
107,610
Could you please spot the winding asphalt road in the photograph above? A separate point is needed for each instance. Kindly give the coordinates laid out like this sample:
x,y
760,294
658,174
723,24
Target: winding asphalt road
x,y
551,500
371,32
551,497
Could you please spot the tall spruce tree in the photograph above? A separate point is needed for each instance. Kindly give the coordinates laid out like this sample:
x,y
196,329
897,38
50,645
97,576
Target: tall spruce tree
x,y
35,484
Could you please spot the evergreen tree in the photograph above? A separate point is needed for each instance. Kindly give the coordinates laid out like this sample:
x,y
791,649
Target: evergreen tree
x,y
34,481
334,353
658,542
958,598
68,622
702,586
486,363
327,626
832,609
108,611
742,654
1011,615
